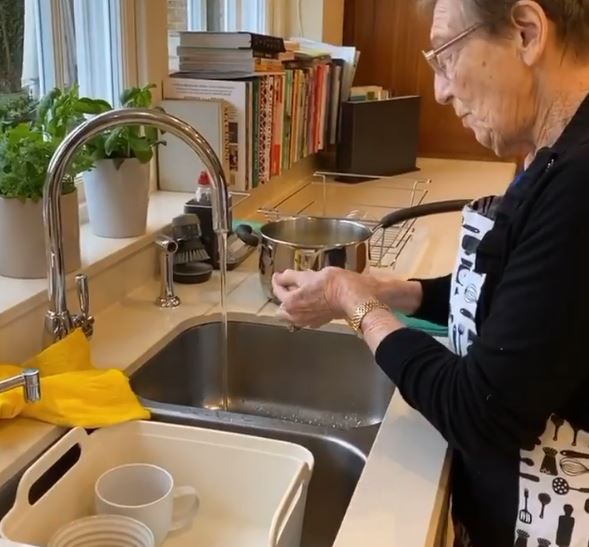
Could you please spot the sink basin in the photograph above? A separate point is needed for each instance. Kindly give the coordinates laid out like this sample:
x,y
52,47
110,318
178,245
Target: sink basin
x,y
312,377
321,390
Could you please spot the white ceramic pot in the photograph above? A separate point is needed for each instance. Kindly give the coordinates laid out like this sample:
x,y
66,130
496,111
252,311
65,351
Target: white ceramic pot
x,y
117,198
22,253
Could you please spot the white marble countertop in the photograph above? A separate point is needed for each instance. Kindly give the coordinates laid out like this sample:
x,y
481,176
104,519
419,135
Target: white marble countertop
x,y
398,499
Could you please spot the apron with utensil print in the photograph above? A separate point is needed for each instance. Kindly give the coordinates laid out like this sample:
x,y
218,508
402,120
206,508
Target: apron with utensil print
x,y
554,475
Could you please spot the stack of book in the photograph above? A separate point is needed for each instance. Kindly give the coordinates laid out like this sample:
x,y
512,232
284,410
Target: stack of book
x,y
229,53
276,118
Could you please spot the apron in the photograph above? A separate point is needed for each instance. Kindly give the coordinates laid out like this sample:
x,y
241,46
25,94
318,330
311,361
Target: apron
x,y
553,505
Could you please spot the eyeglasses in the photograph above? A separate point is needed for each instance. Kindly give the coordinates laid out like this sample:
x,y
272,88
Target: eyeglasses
x,y
432,55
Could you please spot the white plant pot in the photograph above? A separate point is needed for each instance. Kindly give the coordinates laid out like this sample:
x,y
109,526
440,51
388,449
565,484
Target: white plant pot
x,y
22,253
117,198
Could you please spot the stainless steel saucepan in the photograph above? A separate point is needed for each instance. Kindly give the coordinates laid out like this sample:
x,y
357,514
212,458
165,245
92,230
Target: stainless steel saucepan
x,y
313,243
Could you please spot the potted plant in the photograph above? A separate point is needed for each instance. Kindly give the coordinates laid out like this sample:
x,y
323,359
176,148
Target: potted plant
x,y
30,132
117,188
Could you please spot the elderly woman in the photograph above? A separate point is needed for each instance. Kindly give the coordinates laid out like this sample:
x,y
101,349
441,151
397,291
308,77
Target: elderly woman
x,y
511,396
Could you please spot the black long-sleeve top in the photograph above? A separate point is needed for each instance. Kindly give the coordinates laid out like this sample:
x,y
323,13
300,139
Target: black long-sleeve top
x,y
531,358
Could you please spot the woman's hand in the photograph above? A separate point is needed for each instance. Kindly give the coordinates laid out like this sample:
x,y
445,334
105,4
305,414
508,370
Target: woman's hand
x,y
316,298
312,299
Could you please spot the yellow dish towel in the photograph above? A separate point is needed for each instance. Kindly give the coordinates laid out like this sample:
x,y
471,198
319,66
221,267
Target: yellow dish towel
x,y
73,392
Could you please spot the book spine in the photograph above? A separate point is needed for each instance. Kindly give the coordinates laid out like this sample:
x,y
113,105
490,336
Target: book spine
x,y
249,136
335,104
304,120
256,133
326,106
281,98
264,126
271,44
269,129
288,94
193,53
295,117
274,141
267,65
277,126
226,138
315,116
324,111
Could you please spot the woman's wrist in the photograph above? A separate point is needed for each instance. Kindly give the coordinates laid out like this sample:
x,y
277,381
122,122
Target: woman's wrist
x,y
404,296
377,325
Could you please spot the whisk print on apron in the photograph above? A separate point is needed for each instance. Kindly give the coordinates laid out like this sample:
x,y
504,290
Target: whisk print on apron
x,y
553,505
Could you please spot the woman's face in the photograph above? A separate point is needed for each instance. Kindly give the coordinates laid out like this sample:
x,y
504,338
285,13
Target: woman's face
x,y
485,80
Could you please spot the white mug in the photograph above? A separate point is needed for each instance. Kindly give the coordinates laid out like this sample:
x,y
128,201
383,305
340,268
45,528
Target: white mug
x,y
146,493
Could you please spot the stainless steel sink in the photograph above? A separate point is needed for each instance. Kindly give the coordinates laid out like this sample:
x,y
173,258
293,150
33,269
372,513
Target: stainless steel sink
x,y
312,377
321,390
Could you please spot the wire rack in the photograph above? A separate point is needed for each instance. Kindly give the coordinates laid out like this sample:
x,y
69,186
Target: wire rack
x,y
366,202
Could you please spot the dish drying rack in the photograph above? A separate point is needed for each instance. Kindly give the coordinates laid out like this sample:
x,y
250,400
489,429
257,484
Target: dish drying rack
x,y
366,203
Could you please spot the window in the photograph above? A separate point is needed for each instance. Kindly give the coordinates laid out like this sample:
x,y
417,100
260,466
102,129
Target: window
x,y
214,15
53,43
11,57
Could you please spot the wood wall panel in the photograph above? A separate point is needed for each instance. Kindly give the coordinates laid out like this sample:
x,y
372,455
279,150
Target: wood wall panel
x,y
390,35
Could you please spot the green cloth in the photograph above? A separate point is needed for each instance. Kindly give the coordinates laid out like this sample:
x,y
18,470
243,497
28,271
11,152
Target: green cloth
x,y
426,326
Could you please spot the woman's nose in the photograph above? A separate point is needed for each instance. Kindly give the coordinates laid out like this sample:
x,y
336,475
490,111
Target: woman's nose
x,y
442,89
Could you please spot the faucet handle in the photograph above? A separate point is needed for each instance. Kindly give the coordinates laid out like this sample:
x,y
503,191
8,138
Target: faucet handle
x,y
84,320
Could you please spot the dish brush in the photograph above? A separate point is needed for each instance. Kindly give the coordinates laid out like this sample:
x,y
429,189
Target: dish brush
x,y
187,232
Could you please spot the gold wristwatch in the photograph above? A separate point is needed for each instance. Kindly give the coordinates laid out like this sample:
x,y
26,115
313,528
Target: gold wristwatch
x,y
355,320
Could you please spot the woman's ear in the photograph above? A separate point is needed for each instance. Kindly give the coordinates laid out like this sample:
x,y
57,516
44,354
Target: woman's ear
x,y
532,27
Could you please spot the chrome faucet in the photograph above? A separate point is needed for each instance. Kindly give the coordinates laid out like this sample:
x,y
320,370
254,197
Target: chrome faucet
x,y
59,321
29,380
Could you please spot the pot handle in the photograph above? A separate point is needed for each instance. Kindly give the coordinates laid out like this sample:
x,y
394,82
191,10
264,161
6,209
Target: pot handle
x,y
418,211
247,235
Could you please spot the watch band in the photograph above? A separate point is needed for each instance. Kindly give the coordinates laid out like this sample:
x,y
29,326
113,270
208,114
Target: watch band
x,y
355,320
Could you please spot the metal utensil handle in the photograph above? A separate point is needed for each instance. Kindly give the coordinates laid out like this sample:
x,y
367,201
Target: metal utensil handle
x,y
418,211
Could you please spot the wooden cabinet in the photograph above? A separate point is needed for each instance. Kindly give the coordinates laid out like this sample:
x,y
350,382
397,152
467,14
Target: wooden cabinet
x,y
390,35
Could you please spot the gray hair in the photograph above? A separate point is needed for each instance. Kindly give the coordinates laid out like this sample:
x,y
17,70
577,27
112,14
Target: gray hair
x,y
571,18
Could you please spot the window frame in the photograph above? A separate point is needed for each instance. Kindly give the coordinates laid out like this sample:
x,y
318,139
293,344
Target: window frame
x,y
252,15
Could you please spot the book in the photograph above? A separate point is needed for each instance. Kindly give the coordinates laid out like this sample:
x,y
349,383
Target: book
x,y
287,126
178,166
220,55
304,115
327,106
269,117
286,56
265,127
323,112
335,103
277,133
235,94
249,135
234,40
256,132
254,64
296,89
348,54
